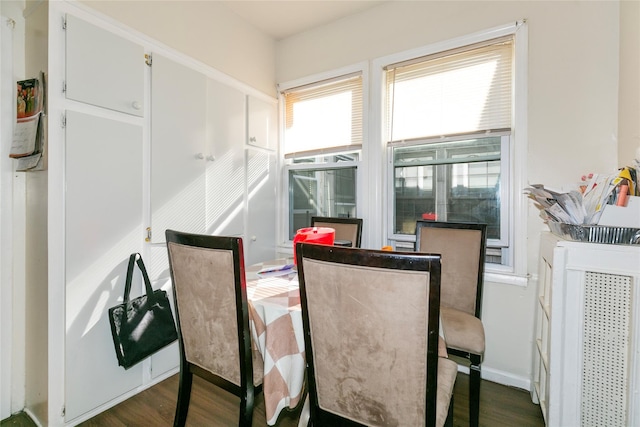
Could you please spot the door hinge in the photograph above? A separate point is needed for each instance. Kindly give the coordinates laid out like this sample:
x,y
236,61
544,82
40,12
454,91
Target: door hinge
x,y
148,59
64,23
63,121
63,411
64,86
148,238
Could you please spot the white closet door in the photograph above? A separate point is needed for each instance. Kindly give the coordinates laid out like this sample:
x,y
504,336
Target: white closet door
x,y
103,69
225,169
178,141
103,220
263,123
261,218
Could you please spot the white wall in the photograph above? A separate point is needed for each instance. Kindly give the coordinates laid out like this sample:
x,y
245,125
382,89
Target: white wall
x,y
35,236
204,30
629,105
572,112
12,295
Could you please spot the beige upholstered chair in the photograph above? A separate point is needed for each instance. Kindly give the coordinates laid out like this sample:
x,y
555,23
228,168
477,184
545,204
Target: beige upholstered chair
x,y
347,229
369,361
213,319
462,247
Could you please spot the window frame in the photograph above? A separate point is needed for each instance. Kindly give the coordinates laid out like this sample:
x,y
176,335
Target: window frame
x,y
374,159
287,168
505,191
286,165
514,267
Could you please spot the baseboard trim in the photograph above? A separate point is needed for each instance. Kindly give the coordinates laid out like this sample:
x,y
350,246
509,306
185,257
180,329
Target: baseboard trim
x,y
31,415
500,377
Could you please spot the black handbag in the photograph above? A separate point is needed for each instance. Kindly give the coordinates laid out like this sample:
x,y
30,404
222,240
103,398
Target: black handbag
x,y
144,325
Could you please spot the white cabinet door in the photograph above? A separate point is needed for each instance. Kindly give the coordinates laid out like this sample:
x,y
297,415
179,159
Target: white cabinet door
x,y
263,123
261,219
103,223
178,155
225,159
103,69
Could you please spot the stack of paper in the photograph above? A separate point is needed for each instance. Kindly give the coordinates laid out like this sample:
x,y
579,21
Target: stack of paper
x,y
585,207
567,208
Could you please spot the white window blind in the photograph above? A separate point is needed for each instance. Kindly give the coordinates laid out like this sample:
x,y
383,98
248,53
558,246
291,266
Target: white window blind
x,y
324,117
460,91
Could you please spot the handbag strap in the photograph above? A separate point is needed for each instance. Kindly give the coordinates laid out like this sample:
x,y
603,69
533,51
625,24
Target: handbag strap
x,y
133,259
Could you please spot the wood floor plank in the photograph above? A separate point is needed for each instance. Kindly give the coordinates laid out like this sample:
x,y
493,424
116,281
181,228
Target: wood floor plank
x,y
213,407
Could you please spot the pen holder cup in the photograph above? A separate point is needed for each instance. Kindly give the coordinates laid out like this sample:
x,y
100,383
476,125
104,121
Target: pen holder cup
x,y
317,235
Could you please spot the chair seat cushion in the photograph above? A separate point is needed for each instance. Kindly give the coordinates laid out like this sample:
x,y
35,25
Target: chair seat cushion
x,y
447,371
462,331
442,347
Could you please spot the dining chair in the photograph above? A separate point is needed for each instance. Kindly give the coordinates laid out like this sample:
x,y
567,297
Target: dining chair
x,y
462,247
369,361
347,229
212,314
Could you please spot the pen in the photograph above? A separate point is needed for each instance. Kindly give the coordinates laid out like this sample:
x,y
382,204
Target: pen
x,y
274,269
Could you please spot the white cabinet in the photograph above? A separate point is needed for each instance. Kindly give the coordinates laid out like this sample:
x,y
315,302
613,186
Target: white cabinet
x,y
103,69
178,148
543,315
132,147
103,222
263,123
197,152
587,357
225,175
260,241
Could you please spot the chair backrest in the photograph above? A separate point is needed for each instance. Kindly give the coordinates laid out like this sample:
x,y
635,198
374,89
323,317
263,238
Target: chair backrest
x,y
211,306
346,228
371,334
463,247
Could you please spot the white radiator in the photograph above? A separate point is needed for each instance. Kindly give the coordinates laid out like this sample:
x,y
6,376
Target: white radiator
x,y
605,350
586,369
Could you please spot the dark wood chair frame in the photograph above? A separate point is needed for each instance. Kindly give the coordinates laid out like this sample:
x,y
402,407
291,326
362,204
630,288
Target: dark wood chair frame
x,y
379,259
246,391
340,220
475,360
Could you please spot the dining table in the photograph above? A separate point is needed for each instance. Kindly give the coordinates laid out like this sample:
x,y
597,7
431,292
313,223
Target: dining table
x,y
275,317
276,326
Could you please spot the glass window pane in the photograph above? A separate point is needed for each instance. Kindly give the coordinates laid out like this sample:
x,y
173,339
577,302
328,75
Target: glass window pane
x,y
475,195
414,196
451,181
322,192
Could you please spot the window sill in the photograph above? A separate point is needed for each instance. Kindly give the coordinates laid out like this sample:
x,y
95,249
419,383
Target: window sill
x,y
496,275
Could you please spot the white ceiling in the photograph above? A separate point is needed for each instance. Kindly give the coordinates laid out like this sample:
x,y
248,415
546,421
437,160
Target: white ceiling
x,y
281,19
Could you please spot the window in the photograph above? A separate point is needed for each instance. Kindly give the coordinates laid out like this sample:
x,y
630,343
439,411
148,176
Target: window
x,y
449,132
322,144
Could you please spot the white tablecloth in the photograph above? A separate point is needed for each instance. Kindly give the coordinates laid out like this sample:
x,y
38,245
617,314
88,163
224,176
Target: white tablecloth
x,y
276,326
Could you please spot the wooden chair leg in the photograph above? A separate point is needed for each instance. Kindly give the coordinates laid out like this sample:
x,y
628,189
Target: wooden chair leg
x,y
184,396
449,421
474,391
246,410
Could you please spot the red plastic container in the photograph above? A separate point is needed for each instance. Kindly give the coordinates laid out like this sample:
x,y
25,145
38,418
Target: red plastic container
x,y
317,235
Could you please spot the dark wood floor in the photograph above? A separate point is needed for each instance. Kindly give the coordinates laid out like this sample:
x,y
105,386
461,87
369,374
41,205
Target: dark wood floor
x,y
212,407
